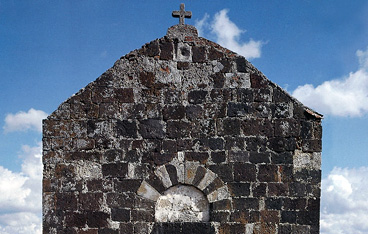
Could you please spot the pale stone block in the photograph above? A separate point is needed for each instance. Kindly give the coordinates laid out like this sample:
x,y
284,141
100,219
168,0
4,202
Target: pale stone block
x,y
190,172
207,179
219,194
147,191
161,172
87,169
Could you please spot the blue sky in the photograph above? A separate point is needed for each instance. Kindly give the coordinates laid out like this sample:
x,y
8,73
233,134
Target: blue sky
x,y
316,50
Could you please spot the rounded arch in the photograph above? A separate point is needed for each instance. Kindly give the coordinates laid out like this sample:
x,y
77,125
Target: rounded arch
x,y
187,173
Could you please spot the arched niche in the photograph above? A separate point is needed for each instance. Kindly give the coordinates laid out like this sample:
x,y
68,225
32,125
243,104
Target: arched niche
x,y
182,203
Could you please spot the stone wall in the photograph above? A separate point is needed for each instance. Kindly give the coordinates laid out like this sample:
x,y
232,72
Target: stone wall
x,y
187,124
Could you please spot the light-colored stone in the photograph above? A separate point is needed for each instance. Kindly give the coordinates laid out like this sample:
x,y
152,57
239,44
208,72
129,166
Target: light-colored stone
x,y
190,171
219,194
306,160
147,191
207,179
182,203
161,172
178,162
88,170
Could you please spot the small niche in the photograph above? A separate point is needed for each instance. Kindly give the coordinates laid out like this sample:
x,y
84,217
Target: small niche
x,y
182,203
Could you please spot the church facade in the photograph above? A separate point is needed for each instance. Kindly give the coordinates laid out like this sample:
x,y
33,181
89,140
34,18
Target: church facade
x,y
182,136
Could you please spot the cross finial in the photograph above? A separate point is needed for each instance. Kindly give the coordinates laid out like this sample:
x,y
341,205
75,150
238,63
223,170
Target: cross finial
x,y
182,14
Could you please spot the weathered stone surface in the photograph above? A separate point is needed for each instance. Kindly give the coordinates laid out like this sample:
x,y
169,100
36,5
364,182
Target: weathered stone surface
x,y
182,203
185,131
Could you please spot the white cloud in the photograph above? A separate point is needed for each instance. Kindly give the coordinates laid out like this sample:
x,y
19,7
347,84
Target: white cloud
x,y
344,203
339,97
23,121
228,34
21,194
20,223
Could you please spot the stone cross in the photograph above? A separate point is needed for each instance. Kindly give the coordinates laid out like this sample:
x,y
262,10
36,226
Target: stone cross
x,y
182,14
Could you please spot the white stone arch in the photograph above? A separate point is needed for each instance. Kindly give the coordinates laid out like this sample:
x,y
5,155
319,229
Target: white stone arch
x,y
187,174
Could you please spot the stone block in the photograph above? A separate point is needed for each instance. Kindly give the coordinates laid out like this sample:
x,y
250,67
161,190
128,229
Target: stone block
x,y
244,172
220,216
178,129
207,179
214,185
167,50
126,128
142,215
215,111
218,157
120,200
169,146
224,171
147,79
182,65
66,200
278,189
239,189
201,171
259,189
270,216
263,95
127,185
122,215
218,80
197,96
124,95
294,203
161,158
90,201
229,127
173,174
279,144
298,189
234,144
282,158
246,203
194,112
238,109
268,173
241,64
126,227
240,216
287,128
106,231
281,110
151,129
152,49
74,219
214,54
97,219
260,127
115,170
232,228
256,157
288,216
174,112
273,203
199,54
147,191
201,157
257,81
224,205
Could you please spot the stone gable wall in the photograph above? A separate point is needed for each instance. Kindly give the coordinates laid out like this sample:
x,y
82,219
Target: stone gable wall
x,y
181,110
